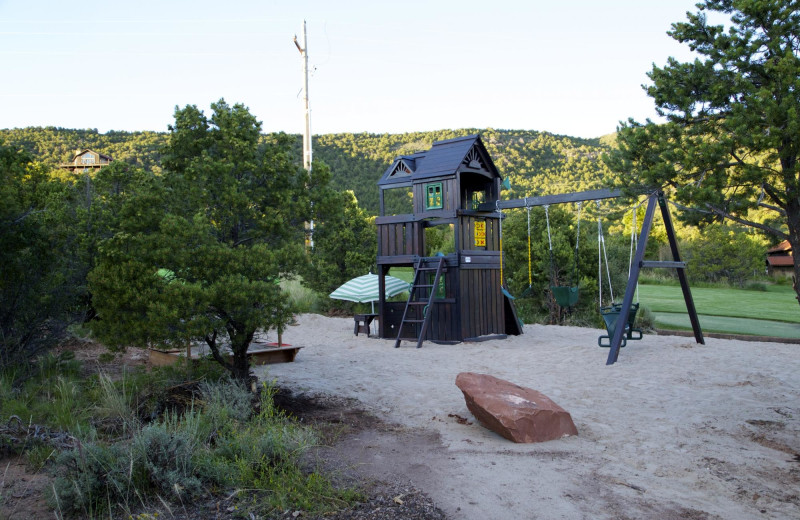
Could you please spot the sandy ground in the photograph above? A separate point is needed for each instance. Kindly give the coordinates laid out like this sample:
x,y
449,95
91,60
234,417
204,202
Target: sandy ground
x,y
672,430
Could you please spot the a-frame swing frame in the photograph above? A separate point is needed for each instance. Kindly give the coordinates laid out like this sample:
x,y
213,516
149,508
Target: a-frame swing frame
x,y
655,198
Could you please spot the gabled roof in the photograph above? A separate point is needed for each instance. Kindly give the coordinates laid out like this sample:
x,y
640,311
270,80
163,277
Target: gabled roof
x,y
444,158
401,170
78,153
783,247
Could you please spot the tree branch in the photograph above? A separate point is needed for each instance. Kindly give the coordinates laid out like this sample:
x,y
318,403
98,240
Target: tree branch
x,y
780,211
212,344
775,196
716,211
242,241
745,222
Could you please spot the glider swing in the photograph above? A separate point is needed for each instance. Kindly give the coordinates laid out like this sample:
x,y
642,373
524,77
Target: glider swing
x,y
611,313
565,295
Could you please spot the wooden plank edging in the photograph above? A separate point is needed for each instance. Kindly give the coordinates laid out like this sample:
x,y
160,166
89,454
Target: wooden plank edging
x,y
719,335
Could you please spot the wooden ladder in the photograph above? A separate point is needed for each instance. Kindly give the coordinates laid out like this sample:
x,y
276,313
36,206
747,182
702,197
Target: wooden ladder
x,y
418,302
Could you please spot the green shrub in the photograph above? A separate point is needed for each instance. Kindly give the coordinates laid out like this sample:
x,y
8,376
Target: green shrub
x,y
645,319
756,286
49,393
165,459
114,407
301,298
91,479
226,401
658,277
215,442
106,357
49,367
38,454
783,280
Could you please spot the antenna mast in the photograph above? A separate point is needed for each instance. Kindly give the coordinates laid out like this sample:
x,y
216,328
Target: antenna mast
x,y
307,153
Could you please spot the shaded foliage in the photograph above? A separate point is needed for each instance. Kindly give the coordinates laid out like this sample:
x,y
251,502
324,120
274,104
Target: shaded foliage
x,y
36,286
345,243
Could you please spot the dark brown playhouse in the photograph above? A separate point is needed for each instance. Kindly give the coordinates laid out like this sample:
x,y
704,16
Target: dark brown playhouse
x,y
429,220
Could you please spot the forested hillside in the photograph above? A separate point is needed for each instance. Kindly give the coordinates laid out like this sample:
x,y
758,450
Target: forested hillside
x,y
53,146
535,162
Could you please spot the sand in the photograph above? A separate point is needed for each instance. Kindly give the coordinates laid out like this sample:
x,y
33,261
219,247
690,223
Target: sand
x,y
672,430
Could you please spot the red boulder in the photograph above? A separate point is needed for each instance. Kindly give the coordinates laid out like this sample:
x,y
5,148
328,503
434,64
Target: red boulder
x,y
517,413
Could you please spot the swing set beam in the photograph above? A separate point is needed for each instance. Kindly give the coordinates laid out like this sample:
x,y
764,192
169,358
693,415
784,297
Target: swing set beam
x,y
655,198
546,200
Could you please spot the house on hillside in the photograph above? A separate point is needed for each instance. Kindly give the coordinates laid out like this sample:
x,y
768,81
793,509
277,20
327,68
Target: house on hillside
x,y
780,260
86,161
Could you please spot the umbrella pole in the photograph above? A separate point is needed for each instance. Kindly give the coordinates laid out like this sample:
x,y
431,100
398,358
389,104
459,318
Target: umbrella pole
x,y
373,312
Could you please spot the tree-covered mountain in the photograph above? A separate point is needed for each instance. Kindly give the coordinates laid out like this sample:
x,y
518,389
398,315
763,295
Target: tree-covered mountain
x,y
53,146
535,162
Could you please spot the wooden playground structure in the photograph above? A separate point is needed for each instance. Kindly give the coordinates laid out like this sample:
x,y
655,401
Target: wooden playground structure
x,y
458,295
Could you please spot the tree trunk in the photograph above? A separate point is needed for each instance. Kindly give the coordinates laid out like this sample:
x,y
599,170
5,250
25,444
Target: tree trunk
x,y
793,221
241,367
794,242
240,343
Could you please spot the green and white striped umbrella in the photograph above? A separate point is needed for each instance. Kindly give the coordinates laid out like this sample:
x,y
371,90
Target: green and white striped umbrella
x,y
365,288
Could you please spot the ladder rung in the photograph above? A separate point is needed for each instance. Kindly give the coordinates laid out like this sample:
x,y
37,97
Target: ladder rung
x,y
413,321
418,303
427,268
421,287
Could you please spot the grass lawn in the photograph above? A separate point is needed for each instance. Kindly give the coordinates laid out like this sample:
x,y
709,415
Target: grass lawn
x,y
727,325
774,312
776,304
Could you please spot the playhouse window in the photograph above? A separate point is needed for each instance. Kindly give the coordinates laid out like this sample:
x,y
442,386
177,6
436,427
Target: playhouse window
x,y
433,200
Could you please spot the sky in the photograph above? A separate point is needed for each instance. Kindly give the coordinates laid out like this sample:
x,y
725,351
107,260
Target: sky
x,y
574,68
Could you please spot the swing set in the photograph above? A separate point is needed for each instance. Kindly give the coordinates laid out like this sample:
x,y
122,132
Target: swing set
x,y
614,313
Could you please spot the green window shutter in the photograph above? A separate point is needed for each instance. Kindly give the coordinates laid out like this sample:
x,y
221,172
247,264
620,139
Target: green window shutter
x,y
433,199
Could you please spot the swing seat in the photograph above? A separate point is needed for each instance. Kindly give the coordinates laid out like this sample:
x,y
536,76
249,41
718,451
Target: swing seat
x,y
610,316
565,295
